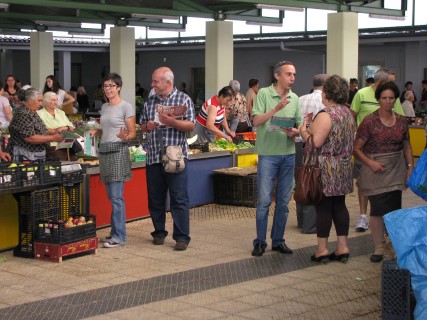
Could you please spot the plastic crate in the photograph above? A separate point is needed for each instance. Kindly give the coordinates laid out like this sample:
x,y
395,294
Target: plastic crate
x,y
43,204
9,177
71,178
236,190
58,232
397,300
50,171
71,200
203,147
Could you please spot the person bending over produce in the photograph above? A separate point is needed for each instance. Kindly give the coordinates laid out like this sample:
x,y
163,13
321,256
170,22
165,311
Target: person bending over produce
x,y
212,116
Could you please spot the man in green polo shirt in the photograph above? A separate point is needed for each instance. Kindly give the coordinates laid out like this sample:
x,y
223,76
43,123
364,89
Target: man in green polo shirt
x,y
363,104
276,114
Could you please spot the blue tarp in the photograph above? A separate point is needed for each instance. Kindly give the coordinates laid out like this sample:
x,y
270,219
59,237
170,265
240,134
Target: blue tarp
x,y
407,229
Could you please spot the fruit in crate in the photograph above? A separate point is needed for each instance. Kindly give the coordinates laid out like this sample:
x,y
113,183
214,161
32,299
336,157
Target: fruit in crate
x,y
70,218
75,221
90,220
82,219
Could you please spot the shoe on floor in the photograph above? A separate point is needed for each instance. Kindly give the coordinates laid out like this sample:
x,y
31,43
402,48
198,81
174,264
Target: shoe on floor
x,y
110,244
362,224
181,246
376,258
158,241
282,248
258,250
105,239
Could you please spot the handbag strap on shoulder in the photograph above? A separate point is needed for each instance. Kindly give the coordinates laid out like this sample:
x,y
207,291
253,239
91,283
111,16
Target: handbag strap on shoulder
x,y
313,154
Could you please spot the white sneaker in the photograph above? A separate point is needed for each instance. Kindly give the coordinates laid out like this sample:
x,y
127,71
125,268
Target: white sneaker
x,y
362,224
110,244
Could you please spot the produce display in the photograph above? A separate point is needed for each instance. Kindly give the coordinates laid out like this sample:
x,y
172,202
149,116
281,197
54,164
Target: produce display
x,y
221,145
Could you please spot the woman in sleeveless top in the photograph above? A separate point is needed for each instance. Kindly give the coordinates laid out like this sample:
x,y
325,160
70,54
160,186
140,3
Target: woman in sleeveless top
x,y
332,132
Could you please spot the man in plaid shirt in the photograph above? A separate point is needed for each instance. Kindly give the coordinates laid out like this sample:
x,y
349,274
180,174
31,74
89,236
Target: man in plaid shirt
x,y
159,182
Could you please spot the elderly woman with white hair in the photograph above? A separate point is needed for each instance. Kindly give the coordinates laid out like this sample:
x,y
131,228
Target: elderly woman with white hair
x,y
29,136
55,121
408,104
238,118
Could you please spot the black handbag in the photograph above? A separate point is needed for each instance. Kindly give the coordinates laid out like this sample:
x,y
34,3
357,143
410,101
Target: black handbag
x,y
309,187
76,147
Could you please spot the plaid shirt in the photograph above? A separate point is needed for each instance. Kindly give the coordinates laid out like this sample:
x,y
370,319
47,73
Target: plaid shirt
x,y
25,124
171,136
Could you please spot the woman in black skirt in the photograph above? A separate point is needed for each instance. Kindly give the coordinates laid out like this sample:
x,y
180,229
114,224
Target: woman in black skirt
x,y
382,145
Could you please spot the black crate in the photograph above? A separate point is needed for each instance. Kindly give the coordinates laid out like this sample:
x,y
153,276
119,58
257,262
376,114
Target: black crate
x,y
69,179
43,204
61,233
203,147
397,300
9,176
71,199
236,190
50,171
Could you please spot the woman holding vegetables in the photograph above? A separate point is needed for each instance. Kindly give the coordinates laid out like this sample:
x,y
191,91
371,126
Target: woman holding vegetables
x,y
212,115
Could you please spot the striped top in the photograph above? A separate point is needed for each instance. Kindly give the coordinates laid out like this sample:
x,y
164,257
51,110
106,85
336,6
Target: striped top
x,y
202,117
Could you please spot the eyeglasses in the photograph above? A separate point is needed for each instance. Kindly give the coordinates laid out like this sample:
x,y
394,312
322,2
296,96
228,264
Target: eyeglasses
x,y
106,86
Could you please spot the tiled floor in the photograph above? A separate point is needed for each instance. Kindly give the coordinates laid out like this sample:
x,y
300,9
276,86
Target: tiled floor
x,y
216,278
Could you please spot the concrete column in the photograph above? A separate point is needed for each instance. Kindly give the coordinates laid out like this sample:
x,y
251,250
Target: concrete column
x,y
64,72
122,59
41,58
218,56
342,53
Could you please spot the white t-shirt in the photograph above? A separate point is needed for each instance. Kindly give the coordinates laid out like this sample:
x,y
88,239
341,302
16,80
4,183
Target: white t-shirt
x,y
4,105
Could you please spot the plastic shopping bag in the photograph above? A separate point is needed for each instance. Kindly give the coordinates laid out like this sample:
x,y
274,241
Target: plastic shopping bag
x,y
418,179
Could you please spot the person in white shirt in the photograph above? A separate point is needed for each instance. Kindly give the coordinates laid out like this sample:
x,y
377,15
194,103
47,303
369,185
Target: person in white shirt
x,y
408,104
310,105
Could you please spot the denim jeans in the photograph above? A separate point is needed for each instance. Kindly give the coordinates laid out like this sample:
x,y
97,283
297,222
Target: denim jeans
x,y
269,168
118,214
159,183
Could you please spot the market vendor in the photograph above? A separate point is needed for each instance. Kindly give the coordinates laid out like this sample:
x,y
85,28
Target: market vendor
x,y
212,115
29,136
55,121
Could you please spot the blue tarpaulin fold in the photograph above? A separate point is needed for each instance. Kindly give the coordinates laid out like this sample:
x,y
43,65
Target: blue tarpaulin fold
x,y
407,229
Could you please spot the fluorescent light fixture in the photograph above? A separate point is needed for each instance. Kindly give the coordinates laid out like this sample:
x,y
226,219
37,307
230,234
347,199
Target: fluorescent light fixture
x,y
265,24
89,34
58,23
4,6
274,7
386,17
153,16
166,29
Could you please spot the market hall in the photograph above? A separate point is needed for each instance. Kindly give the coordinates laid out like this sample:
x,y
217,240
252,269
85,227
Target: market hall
x,y
226,156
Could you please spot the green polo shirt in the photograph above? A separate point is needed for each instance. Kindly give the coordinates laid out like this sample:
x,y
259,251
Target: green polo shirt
x,y
364,103
60,120
270,143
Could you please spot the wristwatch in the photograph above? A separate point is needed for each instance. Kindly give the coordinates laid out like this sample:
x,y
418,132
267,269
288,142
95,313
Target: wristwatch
x,y
409,165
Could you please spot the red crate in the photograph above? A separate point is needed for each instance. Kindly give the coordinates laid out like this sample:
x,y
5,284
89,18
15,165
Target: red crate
x,y
55,252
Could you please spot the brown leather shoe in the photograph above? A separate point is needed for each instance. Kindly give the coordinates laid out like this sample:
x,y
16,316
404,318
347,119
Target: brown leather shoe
x,y
181,246
158,241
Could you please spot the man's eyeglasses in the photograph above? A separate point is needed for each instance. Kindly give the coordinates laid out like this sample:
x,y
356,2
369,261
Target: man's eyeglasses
x,y
106,86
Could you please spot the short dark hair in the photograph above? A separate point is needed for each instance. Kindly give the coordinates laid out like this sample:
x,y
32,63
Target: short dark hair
x,y
336,89
116,78
388,85
253,82
319,79
370,80
227,91
424,82
408,82
353,80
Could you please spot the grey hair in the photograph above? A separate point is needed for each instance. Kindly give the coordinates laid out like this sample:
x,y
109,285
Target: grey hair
x,y
168,76
408,94
319,79
278,67
47,97
32,94
235,85
382,74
